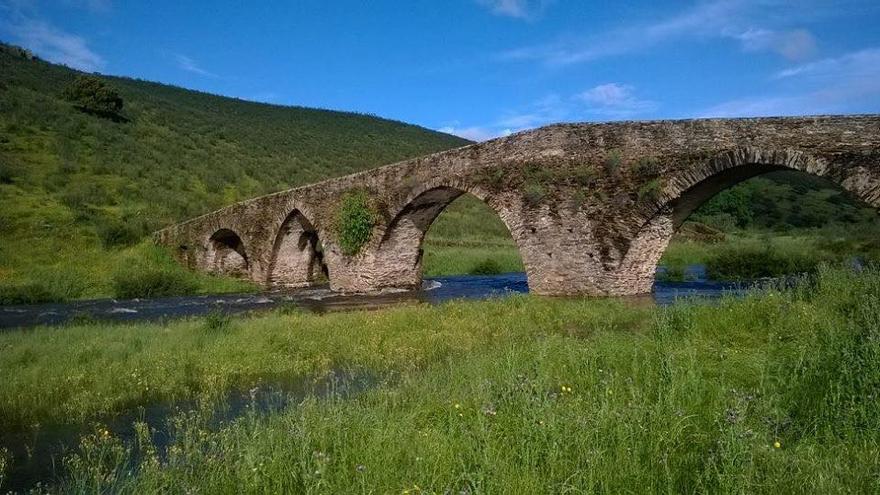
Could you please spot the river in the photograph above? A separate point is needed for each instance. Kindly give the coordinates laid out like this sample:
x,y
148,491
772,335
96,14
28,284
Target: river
x,y
434,290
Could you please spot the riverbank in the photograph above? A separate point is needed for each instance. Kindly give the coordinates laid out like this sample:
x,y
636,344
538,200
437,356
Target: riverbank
x,y
773,392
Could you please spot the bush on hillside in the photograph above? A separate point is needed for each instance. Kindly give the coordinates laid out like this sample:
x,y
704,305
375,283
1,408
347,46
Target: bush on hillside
x,y
49,284
151,272
90,94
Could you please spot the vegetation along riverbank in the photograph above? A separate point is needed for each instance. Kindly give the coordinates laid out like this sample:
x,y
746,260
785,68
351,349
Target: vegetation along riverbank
x,y
774,392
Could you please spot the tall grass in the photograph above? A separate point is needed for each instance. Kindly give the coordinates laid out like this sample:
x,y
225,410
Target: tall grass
x,y
772,393
753,254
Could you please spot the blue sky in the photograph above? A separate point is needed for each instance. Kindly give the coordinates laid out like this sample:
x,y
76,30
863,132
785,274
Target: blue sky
x,y
481,68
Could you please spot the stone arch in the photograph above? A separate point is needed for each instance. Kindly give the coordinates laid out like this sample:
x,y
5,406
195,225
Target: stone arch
x,y
398,254
226,254
689,189
297,257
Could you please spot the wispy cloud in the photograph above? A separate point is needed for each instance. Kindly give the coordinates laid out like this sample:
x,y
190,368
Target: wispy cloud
x,y
520,9
475,133
54,44
602,102
188,64
97,6
845,84
727,19
860,64
797,44
615,100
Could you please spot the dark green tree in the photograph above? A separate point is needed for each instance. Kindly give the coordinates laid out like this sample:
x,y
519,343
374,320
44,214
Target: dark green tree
x,y
90,94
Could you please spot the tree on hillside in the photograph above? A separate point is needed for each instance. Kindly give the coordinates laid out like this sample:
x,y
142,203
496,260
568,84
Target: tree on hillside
x,y
92,95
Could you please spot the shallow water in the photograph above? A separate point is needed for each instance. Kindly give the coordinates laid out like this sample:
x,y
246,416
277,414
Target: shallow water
x,y
37,453
320,299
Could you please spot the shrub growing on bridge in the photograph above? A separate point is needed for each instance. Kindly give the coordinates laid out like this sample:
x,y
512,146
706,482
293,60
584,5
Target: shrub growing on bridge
x,y
354,222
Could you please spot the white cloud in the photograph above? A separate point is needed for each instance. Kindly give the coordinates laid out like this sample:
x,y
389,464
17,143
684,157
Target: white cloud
x,y
726,19
190,65
520,9
54,44
611,100
614,100
475,133
797,44
845,84
863,63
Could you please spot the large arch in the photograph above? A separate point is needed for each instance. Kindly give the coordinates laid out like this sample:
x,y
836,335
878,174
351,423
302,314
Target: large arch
x,y
399,254
297,258
687,192
226,254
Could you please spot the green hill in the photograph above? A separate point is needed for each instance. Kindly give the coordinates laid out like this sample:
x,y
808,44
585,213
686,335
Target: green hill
x,y
77,188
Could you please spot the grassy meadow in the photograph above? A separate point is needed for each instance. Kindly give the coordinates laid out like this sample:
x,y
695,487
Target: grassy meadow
x,y
772,393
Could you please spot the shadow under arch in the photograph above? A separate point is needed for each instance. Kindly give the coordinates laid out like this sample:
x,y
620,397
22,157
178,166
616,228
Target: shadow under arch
x,y
227,254
400,253
297,258
687,193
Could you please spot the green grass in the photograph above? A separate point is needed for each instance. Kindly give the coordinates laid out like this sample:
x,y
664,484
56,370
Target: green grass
x,y
754,253
469,238
143,270
523,395
76,190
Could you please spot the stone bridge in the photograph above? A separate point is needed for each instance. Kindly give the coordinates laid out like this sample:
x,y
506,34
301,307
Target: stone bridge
x,y
591,207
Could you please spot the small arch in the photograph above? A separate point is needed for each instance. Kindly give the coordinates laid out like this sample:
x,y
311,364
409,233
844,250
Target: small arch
x,y
400,253
297,254
226,254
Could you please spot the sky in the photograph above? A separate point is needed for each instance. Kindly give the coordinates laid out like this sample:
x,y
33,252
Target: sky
x,y
481,68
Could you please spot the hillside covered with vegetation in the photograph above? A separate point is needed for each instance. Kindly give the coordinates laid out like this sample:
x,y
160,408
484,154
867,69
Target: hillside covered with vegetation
x,y
78,188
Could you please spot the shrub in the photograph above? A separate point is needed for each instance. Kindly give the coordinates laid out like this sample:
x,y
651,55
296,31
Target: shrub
x,y
612,162
28,293
217,320
93,95
354,222
757,262
534,193
492,177
151,272
48,284
115,232
650,190
647,167
137,282
584,175
486,267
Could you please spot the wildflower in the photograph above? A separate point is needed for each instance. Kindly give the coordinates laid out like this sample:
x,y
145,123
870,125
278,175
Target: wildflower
x,y
776,444
457,406
360,468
